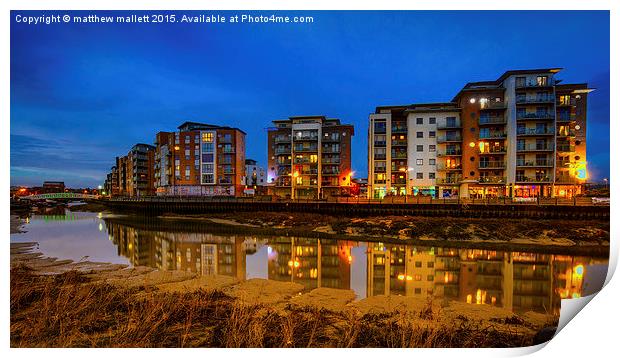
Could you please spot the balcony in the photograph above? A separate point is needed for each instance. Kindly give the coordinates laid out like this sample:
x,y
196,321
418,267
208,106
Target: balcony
x,y
228,170
491,135
491,105
539,163
380,156
399,143
539,179
380,128
486,120
566,148
452,167
306,138
565,117
449,138
330,149
228,150
571,103
492,164
532,147
225,181
521,116
379,169
399,129
535,99
334,137
492,151
566,133
331,160
492,180
449,125
449,180
449,153
534,84
282,139
311,172
534,131
399,155
380,143
312,148
283,150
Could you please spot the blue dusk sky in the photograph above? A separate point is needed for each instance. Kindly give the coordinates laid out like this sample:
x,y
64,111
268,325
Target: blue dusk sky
x,y
82,94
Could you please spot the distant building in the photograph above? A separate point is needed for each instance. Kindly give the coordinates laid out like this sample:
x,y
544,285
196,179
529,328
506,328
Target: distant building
x,y
200,159
255,177
53,187
309,157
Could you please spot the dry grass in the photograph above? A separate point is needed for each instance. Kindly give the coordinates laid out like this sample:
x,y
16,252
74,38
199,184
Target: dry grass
x,y
69,311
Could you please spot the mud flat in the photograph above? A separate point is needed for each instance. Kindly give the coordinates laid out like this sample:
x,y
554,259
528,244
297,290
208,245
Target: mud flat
x,y
61,303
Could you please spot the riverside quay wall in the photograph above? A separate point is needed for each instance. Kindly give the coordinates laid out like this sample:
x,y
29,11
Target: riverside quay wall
x,y
437,208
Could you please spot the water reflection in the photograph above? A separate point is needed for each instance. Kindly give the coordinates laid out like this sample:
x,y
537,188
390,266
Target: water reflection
x,y
519,281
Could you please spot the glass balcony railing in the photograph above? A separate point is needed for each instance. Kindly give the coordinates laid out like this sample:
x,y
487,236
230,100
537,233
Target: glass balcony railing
x,y
535,99
450,138
492,135
491,164
535,147
534,131
537,115
491,120
535,163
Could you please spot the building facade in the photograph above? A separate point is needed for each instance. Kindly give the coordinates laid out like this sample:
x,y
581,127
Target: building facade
x,y
309,157
522,135
200,159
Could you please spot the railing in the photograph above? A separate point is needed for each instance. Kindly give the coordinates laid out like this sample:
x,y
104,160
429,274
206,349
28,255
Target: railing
x,y
447,153
536,163
492,180
330,160
524,179
491,120
399,155
228,171
492,135
380,129
526,116
398,129
380,156
380,143
449,125
565,117
306,137
330,150
449,180
493,105
228,150
282,139
283,150
306,149
532,84
502,200
535,99
534,131
566,148
443,166
492,164
452,138
566,133
492,150
398,142
380,169
535,147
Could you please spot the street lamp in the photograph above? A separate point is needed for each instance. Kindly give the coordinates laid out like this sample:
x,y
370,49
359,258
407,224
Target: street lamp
x,y
294,177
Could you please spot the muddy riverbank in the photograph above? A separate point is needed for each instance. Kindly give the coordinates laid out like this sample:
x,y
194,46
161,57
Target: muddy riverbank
x,y
551,236
61,303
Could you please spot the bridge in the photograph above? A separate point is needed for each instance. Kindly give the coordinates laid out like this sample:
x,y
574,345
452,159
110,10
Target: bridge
x,y
60,196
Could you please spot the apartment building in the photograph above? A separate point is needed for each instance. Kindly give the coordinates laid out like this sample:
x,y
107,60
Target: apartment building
x,y
404,145
255,174
133,173
521,135
200,159
309,157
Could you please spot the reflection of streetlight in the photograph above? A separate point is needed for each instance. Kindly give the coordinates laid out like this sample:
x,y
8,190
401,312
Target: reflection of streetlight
x,y
294,177
605,180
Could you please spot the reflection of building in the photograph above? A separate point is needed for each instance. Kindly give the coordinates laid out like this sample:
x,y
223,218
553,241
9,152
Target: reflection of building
x,y
516,281
309,157
310,262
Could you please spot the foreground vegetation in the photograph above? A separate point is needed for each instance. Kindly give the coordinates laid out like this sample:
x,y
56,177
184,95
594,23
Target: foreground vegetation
x,y
70,310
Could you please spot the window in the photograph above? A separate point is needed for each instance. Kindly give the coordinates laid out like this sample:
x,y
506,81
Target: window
x,y
186,139
430,264
431,148
207,137
541,80
431,134
432,120
418,264
419,161
187,173
419,134
418,291
419,121
430,278
431,175
419,175
431,162
419,148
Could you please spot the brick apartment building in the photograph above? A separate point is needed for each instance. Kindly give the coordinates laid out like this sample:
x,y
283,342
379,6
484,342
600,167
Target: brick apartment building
x,y
200,159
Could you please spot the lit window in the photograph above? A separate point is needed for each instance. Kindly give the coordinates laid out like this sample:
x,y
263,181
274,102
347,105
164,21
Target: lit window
x,y
207,137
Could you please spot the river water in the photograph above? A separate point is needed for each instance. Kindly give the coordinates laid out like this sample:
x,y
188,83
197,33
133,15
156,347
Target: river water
x,y
520,281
